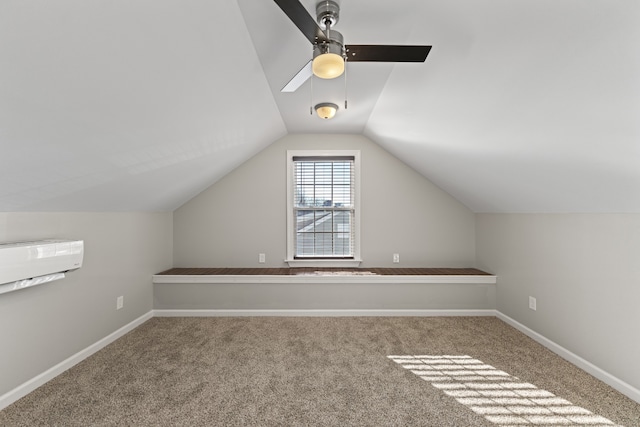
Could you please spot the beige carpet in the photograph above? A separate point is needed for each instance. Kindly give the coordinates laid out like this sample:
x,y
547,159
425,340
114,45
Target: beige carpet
x,y
360,371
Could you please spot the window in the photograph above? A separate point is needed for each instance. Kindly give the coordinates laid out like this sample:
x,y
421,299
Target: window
x,y
322,208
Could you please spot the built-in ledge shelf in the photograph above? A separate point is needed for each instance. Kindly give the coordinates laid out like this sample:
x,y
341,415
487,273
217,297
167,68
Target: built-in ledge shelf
x,y
325,275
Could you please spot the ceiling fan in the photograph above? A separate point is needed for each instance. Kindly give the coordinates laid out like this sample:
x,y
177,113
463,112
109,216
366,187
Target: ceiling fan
x,y
329,50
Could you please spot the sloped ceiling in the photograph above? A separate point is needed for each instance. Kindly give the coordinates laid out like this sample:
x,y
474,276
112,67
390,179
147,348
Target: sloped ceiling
x,y
521,106
124,105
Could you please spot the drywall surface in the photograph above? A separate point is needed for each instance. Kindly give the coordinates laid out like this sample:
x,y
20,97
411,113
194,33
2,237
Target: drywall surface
x,y
583,270
46,324
324,296
244,214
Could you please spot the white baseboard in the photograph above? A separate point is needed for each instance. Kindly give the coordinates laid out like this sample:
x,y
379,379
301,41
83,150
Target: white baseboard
x,y
29,386
322,313
624,388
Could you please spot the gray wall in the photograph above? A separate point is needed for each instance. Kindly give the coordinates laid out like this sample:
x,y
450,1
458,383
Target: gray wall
x,y
244,213
584,271
44,325
324,296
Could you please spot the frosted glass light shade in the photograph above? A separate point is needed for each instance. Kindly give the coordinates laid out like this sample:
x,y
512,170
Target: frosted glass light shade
x,y
328,65
326,110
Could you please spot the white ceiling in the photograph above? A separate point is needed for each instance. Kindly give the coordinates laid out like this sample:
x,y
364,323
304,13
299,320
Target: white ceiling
x,y
124,105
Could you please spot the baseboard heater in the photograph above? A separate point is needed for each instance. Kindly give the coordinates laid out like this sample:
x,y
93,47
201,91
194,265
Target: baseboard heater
x,y
26,264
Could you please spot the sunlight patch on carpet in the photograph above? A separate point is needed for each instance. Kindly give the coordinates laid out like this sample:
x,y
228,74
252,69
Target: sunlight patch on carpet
x,y
500,398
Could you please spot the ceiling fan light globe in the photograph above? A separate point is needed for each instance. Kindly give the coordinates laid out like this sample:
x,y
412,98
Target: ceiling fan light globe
x,y
326,110
328,65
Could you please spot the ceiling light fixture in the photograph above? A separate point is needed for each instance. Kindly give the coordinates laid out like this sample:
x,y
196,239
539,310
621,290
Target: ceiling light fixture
x,y
328,62
326,110
328,55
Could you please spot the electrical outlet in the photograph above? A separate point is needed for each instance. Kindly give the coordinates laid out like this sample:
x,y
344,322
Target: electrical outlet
x,y
119,302
261,258
396,258
532,303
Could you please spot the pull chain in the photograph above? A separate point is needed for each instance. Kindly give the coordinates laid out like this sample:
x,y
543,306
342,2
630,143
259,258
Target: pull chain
x,y
345,84
311,98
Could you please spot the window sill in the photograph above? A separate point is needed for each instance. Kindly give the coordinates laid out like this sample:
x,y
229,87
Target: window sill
x,y
340,263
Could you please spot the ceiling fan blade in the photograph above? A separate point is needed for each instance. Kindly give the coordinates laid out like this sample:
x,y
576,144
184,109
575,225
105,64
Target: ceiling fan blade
x,y
301,18
300,77
386,53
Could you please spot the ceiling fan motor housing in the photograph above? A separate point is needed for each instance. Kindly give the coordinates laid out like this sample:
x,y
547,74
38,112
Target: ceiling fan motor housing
x,y
327,11
334,45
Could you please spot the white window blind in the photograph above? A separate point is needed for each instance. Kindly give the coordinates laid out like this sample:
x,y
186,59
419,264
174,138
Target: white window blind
x,y
324,207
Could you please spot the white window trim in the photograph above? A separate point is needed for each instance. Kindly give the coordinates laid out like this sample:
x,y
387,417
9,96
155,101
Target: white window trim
x,y
355,262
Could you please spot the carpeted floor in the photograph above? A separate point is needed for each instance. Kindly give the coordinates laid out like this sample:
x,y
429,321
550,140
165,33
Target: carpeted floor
x,y
339,371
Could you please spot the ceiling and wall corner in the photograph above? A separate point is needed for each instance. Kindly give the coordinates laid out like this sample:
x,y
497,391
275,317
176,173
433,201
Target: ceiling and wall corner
x,y
527,106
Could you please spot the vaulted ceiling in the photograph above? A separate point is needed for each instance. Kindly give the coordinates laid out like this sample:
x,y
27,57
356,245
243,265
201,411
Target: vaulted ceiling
x,y
125,105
